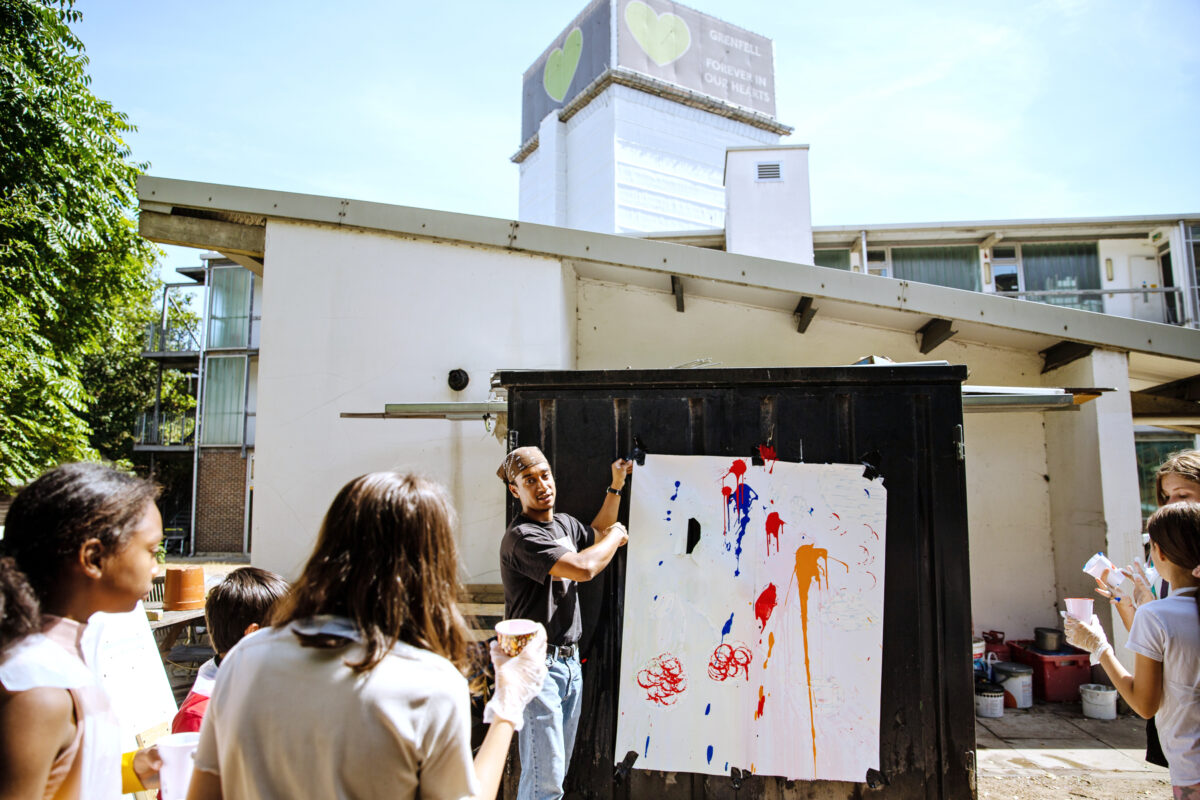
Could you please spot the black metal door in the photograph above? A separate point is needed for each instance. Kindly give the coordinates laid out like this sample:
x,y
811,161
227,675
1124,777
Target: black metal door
x,y
904,422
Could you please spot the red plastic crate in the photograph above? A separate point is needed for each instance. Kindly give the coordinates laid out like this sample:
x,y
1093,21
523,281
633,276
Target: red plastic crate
x,y
1057,678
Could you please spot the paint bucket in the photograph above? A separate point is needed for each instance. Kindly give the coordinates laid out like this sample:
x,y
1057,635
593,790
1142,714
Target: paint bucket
x,y
1017,682
183,589
978,646
1099,701
989,700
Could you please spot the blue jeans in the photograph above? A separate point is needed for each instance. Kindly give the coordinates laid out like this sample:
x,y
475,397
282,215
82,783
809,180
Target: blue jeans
x,y
548,735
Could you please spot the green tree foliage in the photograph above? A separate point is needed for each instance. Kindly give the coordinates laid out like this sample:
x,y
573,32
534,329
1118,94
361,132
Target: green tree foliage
x,y
72,266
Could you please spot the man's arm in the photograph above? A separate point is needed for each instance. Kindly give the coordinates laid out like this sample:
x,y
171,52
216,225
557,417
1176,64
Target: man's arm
x,y
590,562
607,516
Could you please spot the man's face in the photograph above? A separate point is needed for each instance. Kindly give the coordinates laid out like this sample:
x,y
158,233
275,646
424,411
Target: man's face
x,y
534,487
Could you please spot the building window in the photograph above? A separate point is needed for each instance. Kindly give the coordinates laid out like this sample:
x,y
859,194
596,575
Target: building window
x,y
229,310
1152,450
1060,268
956,267
224,400
834,259
877,263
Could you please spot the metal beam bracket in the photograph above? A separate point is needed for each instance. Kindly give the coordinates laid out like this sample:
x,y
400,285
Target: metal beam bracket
x,y
804,313
677,290
1063,353
933,333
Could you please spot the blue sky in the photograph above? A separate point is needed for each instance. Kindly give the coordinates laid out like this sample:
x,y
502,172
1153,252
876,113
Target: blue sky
x,y
915,112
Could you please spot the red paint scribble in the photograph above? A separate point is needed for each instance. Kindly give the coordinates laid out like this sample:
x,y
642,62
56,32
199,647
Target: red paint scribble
x,y
762,699
767,453
728,660
834,515
774,523
663,679
812,564
872,530
876,583
764,605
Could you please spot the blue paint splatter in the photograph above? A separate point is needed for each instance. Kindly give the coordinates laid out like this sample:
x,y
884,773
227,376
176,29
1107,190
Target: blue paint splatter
x,y
660,563
668,516
868,491
710,754
810,512
655,597
676,490
647,750
707,709
727,766
741,498
728,627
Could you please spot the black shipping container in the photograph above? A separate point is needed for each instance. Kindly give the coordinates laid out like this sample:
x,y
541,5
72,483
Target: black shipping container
x,y
904,422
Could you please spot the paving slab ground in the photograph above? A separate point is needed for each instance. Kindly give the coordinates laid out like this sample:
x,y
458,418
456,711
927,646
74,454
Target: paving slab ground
x,y
1053,751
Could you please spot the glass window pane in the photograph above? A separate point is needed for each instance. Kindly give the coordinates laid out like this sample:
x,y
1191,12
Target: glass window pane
x,y
1006,278
228,324
956,267
224,400
1061,267
835,259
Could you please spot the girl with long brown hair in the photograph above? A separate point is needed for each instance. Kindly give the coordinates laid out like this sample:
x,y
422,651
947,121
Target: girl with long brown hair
x,y
357,688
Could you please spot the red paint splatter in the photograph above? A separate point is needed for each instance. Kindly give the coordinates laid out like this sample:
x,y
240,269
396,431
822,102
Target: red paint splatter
x,y
812,564
762,699
738,470
663,679
872,530
774,523
876,583
764,605
728,660
767,453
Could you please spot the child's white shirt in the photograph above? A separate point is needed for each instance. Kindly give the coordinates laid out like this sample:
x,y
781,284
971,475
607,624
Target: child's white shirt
x,y
1168,631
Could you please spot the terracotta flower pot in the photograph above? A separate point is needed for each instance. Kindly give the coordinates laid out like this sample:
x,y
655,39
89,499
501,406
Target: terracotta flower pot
x,y
183,589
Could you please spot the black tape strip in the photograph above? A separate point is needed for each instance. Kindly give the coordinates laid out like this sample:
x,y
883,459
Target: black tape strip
x,y
870,462
621,772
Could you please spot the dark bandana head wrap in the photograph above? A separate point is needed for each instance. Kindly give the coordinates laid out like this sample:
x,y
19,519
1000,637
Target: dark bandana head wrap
x,y
518,461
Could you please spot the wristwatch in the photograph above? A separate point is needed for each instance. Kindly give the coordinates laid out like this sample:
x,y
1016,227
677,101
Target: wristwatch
x,y
611,490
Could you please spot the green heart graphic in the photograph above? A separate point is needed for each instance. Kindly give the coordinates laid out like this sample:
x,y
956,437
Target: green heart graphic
x,y
561,64
664,36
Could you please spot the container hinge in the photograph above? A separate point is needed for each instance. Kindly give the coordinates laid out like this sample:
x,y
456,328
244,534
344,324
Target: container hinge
x,y
960,444
514,436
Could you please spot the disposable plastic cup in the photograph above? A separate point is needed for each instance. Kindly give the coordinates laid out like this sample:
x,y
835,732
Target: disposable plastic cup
x,y
1099,567
514,634
178,751
1080,608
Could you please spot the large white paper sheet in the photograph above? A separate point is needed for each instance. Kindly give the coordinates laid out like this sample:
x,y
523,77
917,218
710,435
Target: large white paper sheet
x,y
761,648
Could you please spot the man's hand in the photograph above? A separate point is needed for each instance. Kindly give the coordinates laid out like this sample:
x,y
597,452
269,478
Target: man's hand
x,y
621,469
616,529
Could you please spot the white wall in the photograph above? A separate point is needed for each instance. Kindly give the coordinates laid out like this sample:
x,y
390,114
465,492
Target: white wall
x,y
769,218
1012,560
1126,274
352,321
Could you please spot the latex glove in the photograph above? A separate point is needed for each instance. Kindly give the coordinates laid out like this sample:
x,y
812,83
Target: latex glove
x,y
1142,592
518,680
1087,636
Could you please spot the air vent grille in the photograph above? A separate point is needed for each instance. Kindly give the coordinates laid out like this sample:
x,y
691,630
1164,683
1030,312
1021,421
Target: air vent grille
x,y
769,171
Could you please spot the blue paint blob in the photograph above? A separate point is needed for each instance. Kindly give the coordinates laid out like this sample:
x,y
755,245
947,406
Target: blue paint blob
x,y
741,499
655,597
660,563
676,490
868,491
710,754
727,766
707,709
647,750
728,627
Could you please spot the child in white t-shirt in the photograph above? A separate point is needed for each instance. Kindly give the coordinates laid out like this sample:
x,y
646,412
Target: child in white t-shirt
x,y
1165,635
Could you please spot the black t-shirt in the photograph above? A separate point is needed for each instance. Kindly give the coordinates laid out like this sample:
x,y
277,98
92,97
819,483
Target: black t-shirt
x,y
528,551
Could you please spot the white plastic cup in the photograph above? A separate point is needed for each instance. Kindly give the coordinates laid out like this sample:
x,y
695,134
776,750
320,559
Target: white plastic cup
x,y
514,634
1099,567
178,752
1080,608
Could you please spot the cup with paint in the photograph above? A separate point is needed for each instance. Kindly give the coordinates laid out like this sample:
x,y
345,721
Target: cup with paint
x,y
177,751
514,634
1101,568
1079,608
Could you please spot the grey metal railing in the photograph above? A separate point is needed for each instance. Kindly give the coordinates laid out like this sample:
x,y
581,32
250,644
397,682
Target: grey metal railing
x,y
172,338
166,429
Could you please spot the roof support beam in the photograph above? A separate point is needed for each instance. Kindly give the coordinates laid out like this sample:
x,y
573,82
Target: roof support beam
x,y
1063,353
229,238
991,241
677,290
804,314
255,265
933,333
1183,389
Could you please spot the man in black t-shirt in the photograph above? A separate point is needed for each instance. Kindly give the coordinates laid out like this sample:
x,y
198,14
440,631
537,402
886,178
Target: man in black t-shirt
x,y
543,556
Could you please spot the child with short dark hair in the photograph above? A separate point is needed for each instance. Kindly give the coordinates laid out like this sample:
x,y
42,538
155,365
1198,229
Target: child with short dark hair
x,y
235,607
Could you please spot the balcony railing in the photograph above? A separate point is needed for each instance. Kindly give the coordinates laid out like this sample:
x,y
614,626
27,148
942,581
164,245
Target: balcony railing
x,y
172,338
1093,299
166,430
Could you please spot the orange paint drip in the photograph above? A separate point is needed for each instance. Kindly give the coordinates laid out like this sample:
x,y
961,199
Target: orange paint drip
x,y
770,648
812,563
762,699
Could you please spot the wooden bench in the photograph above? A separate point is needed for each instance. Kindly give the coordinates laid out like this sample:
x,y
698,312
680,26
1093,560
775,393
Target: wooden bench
x,y
483,606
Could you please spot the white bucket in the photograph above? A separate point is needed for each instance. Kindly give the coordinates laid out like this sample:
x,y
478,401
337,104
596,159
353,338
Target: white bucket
x,y
989,703
1099,701
978,647
1017,682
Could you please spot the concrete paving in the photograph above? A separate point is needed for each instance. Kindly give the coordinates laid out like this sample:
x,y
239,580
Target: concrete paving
x,y
1055,739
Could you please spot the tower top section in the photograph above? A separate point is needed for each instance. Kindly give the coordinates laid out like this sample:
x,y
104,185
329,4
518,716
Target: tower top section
x,y
659,47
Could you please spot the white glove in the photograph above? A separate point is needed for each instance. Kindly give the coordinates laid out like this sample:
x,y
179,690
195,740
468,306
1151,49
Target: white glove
x,y
518,680
1142,593
1088,636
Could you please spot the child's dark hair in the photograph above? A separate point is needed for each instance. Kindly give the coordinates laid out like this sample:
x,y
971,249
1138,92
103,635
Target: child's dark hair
x,y
245,597
48,522
1175,528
